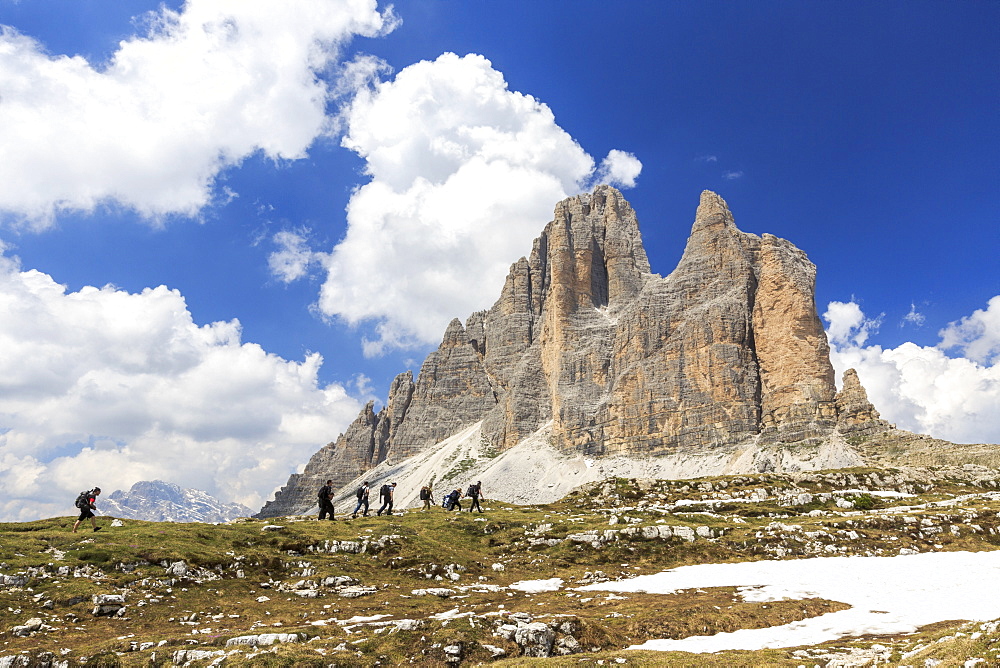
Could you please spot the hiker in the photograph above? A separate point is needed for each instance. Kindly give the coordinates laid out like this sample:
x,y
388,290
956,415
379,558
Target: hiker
x,y
427,496
385,496
452,500
85,502
362,500
473,493
325,496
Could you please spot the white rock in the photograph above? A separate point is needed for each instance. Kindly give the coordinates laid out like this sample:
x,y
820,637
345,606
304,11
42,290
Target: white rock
x,y
495,651
535,639
265,639
178,568
687,533
182,656
440,592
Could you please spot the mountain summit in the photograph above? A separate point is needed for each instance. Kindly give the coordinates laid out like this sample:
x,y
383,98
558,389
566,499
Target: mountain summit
x,y
158,501
612,360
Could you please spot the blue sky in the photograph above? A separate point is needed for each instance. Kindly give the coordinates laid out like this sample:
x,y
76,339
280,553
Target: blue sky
x,y
320,190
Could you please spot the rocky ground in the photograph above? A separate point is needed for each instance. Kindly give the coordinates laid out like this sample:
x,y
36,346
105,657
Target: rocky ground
x,y
438,589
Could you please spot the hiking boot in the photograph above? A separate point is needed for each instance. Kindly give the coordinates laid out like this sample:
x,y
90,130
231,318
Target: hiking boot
x,y
97,528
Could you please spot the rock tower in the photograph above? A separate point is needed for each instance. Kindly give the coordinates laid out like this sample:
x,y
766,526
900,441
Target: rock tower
x,y
725,350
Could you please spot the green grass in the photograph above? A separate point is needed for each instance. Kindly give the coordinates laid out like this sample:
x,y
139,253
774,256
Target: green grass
x,y
235,564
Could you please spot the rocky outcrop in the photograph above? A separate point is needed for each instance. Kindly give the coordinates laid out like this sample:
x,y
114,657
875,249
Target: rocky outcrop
x,y
451,392
797,380
728,349
855,414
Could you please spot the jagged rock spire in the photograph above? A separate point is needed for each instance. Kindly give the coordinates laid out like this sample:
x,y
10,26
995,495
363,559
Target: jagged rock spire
x,y
855,414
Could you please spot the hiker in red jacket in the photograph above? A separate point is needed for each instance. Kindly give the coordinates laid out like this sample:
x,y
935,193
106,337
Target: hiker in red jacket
x,y
85,502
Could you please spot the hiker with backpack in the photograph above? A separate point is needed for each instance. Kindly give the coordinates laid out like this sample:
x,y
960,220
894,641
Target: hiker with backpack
x,y
85,502
427,496
362,495
473,493
385,496
325,496
452,500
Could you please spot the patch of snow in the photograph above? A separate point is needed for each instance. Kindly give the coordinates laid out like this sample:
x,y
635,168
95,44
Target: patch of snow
x,y
886,494
359,620
888,595
451,614
537,586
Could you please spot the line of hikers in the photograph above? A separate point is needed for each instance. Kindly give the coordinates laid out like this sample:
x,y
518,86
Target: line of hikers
x,y
450,501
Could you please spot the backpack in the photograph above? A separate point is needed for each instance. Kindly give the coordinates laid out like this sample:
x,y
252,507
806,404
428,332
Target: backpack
x,y
385,492
323,493
472,491
83,500
425,494
361,492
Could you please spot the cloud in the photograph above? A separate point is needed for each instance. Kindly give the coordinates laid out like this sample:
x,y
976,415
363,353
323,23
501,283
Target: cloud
x,y
151,129
848,324
732,176
294,257
913,317
707,158
105,387
920,388
464,174
618,169
978,335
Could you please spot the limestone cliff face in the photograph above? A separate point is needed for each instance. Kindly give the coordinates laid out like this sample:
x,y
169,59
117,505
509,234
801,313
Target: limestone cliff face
x,y
725,350
451,392
549,336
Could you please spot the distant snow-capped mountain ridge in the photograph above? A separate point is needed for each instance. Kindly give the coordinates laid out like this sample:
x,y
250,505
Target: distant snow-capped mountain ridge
x,y
158,501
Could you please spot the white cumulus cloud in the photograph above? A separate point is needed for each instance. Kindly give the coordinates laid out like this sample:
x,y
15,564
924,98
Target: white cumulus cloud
x,y
105,387
920,388
978,335
464,174
848,324
151,129
619,169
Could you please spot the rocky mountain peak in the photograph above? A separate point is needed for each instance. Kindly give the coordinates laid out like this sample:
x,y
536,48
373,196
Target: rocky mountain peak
x,y
712,214
610,359
159,501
